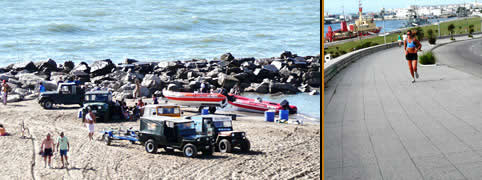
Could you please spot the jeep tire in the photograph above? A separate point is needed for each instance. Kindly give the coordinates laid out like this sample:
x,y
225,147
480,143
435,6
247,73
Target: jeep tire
x,y
48,104
151,146
245,146
224,146
189,150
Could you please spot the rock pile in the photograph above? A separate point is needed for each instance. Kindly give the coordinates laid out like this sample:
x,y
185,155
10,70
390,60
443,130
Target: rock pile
x,y
287,74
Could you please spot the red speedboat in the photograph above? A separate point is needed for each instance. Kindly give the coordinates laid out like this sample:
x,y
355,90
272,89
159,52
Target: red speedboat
x,y
258,105
194,99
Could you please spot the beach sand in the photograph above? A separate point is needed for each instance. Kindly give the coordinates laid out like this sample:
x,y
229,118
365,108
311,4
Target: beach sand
x,y
278,151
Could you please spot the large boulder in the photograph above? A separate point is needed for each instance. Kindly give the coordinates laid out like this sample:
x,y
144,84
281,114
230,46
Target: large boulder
x,y
286,55
82,67
130,61
278,64
171,65
101,67
313,78
151,81
29,81
227,81
262,87
68,66
50,85
227,57
28,65
14,98
174,87
46,66
285,88
245,77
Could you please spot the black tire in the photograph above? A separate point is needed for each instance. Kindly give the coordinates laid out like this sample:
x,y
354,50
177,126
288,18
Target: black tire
x,y
189,150
151,146
212,110
208,152
48,104
224,146
245,146
107,139
169,150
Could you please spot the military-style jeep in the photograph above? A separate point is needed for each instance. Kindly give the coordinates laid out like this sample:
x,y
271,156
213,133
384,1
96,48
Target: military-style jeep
x,y
67,93
221,129
171,134
102,106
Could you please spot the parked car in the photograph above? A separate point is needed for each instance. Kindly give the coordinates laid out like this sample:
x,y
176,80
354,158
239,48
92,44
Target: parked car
x,y
221,129
67,93
171,134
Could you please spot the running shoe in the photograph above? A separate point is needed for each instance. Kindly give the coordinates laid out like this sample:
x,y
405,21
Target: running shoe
x,y
416,75
413,80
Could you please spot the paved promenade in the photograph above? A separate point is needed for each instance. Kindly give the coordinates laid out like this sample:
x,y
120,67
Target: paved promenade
x,y
379,125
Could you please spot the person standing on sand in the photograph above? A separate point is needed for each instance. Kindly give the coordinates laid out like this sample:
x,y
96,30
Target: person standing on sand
x,y
89,122
137,90
399,40
47,148
5,89
412,46
64,145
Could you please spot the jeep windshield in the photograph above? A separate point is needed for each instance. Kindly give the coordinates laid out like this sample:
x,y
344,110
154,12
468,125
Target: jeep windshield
x,y
162,111
186,129
223,124
97,97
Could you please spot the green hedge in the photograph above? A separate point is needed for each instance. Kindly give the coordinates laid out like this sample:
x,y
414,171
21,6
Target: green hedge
x,y
427,58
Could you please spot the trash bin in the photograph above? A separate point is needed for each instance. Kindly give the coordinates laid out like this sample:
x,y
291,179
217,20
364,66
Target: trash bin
x,y
269,116
283,114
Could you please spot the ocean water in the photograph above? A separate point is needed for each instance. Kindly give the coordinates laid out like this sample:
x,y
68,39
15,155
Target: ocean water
x,y
152,30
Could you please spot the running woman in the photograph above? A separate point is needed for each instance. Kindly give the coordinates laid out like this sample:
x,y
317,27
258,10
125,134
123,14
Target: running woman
x,y
412,46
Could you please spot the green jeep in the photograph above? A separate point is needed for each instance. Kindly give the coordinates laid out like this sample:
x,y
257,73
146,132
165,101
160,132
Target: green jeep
x,y
102,106
67,93
173,133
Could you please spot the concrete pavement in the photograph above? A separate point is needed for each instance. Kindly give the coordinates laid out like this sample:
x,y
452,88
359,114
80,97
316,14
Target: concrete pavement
x,y
378,125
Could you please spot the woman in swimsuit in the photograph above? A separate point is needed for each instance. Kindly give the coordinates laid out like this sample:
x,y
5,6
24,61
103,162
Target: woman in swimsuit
x,y
412,46
90,121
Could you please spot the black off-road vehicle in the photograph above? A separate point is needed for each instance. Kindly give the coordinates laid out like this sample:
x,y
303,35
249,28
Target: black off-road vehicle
x,y
67,93
102,106
221,129
172,134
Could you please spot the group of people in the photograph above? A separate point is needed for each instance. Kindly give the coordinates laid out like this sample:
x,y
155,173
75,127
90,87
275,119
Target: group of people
x,y
411,47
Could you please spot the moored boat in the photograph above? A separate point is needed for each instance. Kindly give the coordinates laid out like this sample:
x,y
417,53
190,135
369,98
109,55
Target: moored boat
x,y
258,105
194,99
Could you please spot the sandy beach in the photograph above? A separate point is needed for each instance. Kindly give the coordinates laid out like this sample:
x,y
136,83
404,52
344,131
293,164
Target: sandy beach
x,y
279,151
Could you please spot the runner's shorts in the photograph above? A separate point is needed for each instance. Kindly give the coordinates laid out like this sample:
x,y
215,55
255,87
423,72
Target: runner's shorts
x,y
411,56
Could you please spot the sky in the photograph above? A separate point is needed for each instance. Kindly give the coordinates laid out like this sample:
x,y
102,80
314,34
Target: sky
x,y
351,6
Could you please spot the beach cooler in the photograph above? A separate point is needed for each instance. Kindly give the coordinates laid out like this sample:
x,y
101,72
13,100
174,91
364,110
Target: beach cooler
x,y
283,114
205,111
269,116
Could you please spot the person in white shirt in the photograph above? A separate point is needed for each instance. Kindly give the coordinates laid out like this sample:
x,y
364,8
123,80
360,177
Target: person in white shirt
x,y
89,122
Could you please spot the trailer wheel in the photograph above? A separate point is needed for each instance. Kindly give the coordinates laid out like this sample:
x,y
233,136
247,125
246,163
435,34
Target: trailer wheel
x,y
224,146
106,139
151,146
212,110
245,146
189,150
